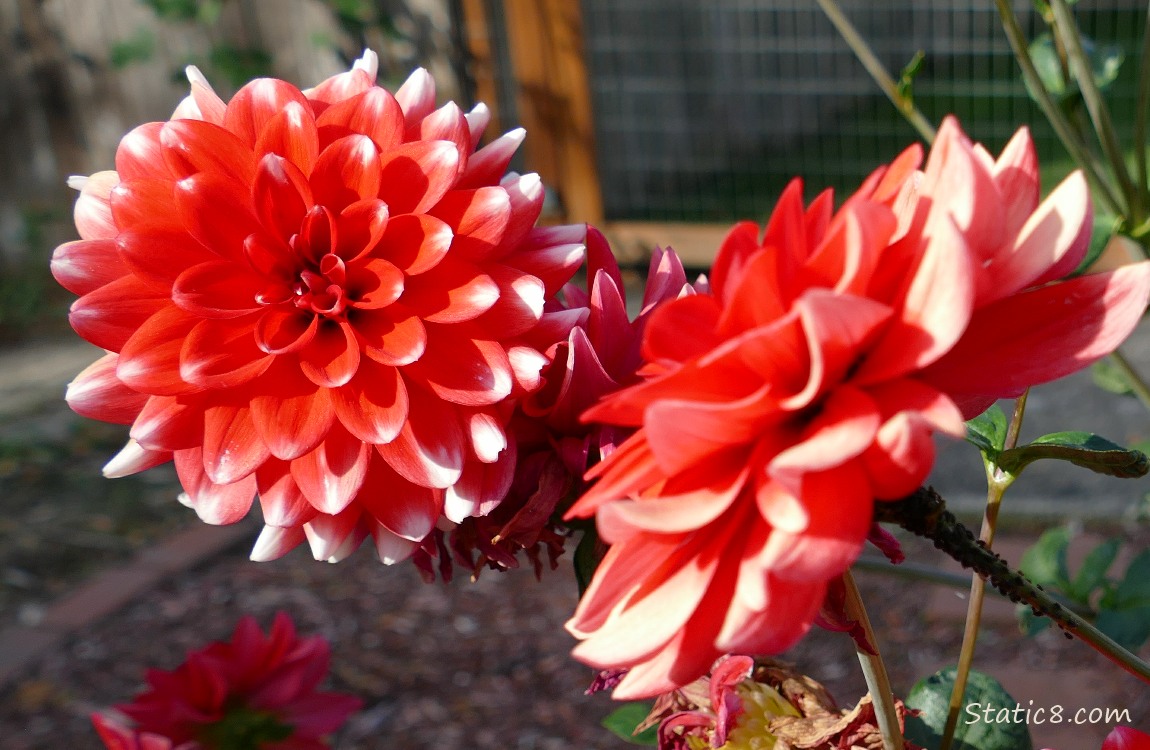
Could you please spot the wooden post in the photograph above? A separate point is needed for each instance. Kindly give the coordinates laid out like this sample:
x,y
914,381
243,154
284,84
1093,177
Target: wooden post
x,y
554,101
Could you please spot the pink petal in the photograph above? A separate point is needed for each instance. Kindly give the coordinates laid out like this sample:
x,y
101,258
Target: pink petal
x,y
481,487
109,316
282,502
416,175
554,265
84,266
488,165
168,423
333,538
330,359
132,459
339,87
462,370
92,214
275,542
416,96
1016,174
258,103
520,303
331,475
373,405
901,457
448,124
406,510
487,436
97,393
374,113
216,504
1040,335
478,218
291,414
232,447
429,450
526,193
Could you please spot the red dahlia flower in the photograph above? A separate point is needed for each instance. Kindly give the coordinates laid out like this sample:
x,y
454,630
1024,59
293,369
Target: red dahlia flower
x,y
1125,738
325,297
254,691
593,350
779,408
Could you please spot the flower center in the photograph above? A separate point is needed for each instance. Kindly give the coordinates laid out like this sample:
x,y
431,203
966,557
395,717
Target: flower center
x,y
322,290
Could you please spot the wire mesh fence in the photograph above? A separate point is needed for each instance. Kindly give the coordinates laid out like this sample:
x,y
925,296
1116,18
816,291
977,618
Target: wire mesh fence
x,y
704,109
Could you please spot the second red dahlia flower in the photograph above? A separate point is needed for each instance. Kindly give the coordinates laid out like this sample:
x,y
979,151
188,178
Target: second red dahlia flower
x,y
808,385
324,297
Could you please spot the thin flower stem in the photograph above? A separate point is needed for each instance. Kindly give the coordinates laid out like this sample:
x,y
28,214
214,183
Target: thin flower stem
x,y
1137,385
924,513
874,671
1141,175
996,484
878,72
1077,150
1083,71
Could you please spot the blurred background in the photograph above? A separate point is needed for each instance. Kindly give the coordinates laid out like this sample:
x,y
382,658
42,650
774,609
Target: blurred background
x,y
661,121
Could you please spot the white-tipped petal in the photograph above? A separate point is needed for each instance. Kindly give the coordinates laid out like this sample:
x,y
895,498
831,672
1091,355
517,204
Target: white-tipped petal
x,y
195,75
132,459
77,181
390,547
368,63
274,542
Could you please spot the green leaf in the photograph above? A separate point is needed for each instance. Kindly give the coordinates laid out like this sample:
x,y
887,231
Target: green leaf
x,y
623,720
987,431
1083,449
1045,562
905,85
586,558
239,65
1044,55
1092,574
931,697
1130,627
137,49
1109,377
1134,588
1105,62
174,10
1104,228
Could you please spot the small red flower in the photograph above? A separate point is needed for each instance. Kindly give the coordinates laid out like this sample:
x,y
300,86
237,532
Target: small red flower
x,y
255,691
325,297
776,410
1125,738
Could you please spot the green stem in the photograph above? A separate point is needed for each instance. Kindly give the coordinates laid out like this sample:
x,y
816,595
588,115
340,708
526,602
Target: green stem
x,y
874,671
1140,113
924,513
1133,378
877,71
996,485
1050,110
1083,71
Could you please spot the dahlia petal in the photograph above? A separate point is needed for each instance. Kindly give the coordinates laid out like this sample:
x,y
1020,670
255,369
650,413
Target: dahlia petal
x,y
1050,244
146,202
414,176
448,124
374,113
108,316
462,370
292,134
488,439
734,252
779,507
92,213
756,297
159,255
256,104
194,146
608,324
391,547
845,427
97,393
845,259
584,381
331,475
683,433
332,356
682,330
232,446
222,354
394,336
526,193
360,228
291,414
527,365
764,631
404,509
207,104
554,265
477,121
199,199
838,504
964,191
374,284
1016,174
281,500
1040,335
373,404
328,535
487,165
167,423
416,96
931,405
139,155
83,266
665,279
282,196
633,467
619,574
281,331
347,171
216,504
217,289
481,487
520,303
150,360
478,218
452,292
274,542
675,665
900,458
338,88
429,450
415,242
